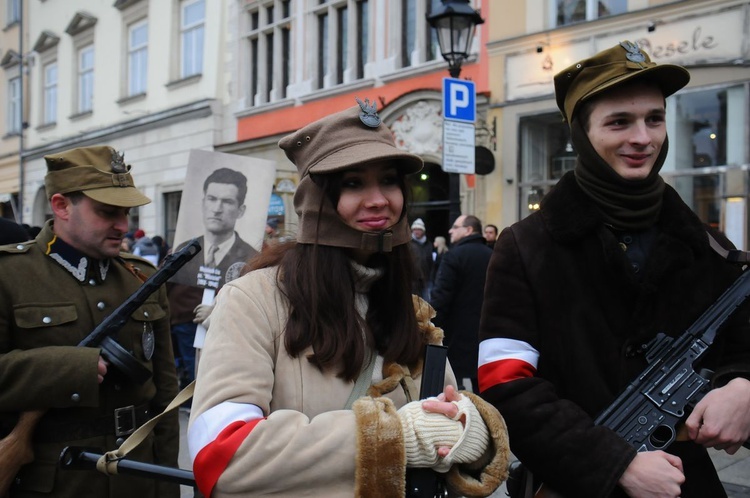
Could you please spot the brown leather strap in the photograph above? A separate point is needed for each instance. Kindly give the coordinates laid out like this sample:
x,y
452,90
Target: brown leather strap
x,y
134,270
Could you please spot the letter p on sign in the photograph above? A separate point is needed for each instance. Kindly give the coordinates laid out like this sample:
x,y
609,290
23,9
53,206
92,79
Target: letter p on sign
x,y
459,100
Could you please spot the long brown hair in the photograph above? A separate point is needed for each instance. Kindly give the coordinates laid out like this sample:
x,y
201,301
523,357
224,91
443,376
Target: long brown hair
x,y
319,283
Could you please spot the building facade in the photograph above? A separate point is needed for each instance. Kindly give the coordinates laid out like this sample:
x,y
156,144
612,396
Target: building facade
x,y
707,121
147,77
13,85
300,60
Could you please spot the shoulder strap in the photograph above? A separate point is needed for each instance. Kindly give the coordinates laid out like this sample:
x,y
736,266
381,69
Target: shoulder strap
x,y
362,383
107,464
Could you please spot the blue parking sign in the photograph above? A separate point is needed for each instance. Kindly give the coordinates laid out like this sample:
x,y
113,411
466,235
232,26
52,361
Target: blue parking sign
x,y
459,100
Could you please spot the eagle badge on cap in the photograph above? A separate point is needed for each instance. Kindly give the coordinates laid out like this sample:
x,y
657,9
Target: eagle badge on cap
x,y
369,115
118,162
634,52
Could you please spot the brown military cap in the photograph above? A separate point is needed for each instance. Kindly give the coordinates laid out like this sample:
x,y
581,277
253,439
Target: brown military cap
x,y
611,67
353,137
99,172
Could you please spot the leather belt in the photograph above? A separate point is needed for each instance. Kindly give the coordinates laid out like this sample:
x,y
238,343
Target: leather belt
x,y
120,423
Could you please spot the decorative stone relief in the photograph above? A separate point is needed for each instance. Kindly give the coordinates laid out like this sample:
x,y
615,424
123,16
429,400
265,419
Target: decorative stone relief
x,y
419,129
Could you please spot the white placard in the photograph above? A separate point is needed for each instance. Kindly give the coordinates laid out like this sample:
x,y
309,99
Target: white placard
x,y
458,147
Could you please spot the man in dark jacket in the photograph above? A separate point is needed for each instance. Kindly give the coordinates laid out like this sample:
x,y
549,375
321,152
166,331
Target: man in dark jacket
x,y
612,258
457,296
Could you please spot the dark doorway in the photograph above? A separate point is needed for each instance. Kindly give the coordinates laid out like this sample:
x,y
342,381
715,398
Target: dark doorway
x,y
429,191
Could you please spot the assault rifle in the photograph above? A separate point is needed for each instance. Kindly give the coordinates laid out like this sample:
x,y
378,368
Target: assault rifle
x,y
16,447
647,412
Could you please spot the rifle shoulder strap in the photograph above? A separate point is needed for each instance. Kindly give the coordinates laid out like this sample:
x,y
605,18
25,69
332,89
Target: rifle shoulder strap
x,y
107,464
733,256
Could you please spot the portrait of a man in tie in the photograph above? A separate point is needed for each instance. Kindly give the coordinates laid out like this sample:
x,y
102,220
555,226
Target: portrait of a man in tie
x,y
224,252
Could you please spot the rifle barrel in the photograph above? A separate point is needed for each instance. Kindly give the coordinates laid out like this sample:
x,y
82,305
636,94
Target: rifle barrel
x,y
77,458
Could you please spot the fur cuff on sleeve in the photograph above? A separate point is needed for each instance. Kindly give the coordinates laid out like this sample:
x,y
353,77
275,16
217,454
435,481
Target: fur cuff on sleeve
x,y
470,481
381,460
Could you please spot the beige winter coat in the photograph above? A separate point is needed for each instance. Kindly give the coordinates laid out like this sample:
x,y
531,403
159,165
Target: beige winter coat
x,y
308,444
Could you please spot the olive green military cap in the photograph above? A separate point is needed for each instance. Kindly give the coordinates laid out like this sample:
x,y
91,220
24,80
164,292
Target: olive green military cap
x,y
355,136
622,63
98,172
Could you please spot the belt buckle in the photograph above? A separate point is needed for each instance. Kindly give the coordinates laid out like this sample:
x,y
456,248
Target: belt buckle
x,y
125,421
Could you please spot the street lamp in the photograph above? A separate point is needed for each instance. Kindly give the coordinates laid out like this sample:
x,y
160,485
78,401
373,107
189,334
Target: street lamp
x,y
455,22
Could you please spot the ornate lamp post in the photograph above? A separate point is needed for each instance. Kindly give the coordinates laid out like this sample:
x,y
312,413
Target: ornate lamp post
x,y
455,22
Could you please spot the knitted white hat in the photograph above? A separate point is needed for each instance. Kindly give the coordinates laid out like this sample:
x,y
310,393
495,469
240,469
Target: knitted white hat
x,y
418,223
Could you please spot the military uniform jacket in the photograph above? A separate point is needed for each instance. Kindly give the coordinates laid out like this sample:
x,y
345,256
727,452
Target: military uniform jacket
x,y
46,309
563,319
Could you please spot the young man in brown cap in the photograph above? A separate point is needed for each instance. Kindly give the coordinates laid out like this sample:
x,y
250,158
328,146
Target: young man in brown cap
x,y
574,291
55,290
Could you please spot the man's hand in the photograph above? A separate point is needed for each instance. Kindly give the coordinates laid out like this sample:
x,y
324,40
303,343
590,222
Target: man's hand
x,y
721,419
653,474
101,369
202,311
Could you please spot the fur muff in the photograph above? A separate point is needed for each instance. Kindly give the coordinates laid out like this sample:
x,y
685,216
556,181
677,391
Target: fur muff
x,y
463,480
381,460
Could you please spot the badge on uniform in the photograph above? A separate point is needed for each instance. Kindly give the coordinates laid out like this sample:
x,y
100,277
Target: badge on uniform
x,y
147,340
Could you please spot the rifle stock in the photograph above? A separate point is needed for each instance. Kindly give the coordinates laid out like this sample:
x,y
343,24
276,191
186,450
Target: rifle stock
x,y
16,449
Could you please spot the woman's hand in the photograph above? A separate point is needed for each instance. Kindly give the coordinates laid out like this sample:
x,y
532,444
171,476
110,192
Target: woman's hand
x,y
445,405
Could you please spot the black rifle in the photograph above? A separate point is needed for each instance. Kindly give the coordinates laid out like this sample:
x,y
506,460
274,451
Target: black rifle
x,y
102,335
424,482
648,410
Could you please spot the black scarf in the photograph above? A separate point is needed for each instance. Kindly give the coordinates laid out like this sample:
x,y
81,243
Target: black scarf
x,y
624,204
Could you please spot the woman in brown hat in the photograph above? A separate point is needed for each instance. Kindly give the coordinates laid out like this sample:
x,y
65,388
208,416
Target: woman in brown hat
x,y
576,291
308,378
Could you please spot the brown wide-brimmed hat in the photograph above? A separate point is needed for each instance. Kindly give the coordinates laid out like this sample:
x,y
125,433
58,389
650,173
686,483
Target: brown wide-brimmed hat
x,y
622,63
98,172
353,137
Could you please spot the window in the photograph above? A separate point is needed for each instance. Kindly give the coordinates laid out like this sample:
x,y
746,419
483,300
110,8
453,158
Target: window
x,y
706,134
545,155
191,37
418,41
13,11
342,44
363,40
433,47
49,115
14,106
137,58
343,41
573,11
322,48
269,43
408,30
86,79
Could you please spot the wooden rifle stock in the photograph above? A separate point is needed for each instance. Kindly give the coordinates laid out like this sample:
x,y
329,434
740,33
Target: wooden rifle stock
x,y
16,449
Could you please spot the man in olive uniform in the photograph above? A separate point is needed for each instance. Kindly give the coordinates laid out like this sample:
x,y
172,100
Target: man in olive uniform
x,y
54,290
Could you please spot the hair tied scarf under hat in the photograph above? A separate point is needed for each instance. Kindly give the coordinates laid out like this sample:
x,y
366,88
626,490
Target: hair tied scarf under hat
x,y
624,204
